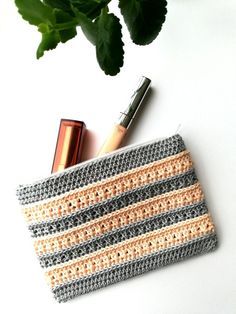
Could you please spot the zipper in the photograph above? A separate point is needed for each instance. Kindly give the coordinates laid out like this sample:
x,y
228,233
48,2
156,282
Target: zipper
x,y
92,160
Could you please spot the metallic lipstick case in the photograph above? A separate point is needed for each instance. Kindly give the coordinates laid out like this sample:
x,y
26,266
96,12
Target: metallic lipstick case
x,y
69,144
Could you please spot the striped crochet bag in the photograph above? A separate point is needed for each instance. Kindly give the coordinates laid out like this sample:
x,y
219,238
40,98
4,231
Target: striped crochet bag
x,y
117,216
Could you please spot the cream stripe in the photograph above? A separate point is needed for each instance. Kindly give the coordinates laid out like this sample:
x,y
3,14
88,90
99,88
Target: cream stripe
x,y
127,215
105,189
130,249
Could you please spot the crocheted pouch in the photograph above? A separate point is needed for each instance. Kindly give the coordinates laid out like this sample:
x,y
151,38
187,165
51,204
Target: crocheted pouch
x,y
117,216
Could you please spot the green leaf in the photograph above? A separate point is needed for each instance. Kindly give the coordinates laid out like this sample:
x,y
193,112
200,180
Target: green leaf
x,y
109,45
35,12
144,18
64,5
49,41
91,8
63,18
88,27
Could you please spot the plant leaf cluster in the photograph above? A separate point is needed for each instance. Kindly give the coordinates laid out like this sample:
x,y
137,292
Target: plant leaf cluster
x,y
58,21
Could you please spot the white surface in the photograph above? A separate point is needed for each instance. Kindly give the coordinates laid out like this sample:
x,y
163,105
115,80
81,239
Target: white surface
x,y
193,70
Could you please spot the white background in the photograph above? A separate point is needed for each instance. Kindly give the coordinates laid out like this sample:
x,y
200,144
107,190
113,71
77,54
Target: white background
x,y
192,65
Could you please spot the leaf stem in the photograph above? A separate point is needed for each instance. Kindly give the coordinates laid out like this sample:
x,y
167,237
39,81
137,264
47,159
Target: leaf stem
x,y
67,25
105,10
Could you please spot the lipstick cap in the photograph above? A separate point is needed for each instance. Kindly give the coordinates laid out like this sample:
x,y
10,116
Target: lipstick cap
x,y
69,144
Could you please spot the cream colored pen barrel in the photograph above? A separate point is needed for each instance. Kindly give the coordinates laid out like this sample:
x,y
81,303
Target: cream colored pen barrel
x,y
113,142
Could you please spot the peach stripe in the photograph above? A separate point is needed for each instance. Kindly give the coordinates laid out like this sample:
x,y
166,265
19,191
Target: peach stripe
x,y
127,215
105,189
130,249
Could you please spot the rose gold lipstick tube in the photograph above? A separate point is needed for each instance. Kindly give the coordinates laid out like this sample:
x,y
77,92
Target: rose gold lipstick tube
x,y
69,144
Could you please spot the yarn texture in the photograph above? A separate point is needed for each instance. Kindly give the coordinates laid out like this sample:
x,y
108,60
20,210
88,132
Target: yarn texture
x,y
117,216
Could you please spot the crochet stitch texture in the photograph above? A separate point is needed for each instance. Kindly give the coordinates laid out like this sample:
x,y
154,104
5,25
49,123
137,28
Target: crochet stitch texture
x,y
117,216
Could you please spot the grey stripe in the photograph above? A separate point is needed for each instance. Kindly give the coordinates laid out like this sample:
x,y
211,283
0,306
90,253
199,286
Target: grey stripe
x,y
124,233
133,268
125,199
99,169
